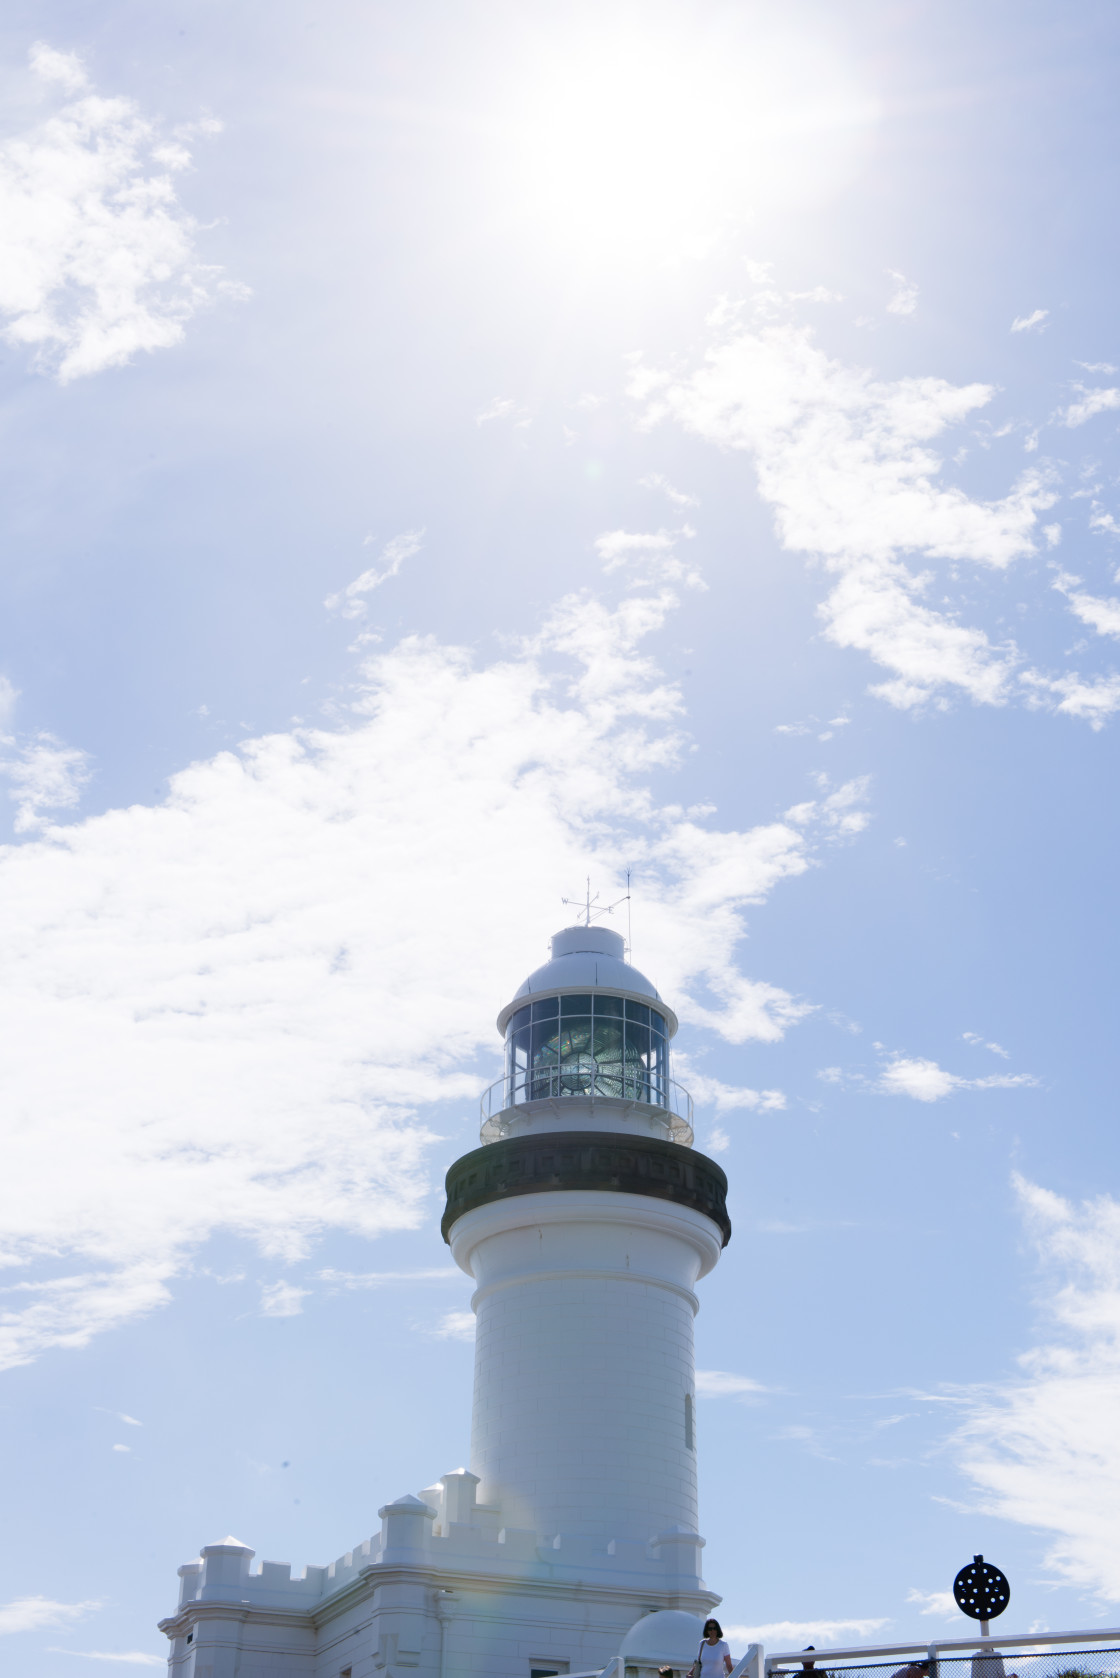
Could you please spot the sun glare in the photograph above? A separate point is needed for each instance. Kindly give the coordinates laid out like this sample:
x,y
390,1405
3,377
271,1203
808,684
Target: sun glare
x,y
653,147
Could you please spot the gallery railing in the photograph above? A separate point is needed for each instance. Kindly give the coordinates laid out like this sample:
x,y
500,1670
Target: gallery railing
x,y
607,1080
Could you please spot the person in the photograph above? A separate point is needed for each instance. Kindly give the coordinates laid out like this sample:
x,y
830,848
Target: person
x,y
714,1659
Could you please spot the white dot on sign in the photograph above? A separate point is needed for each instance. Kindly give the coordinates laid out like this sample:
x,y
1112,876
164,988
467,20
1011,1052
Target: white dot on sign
x,y
125,1448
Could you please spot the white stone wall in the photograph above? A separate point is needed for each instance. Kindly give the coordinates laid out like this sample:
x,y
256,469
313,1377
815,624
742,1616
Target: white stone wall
x,y
584,1357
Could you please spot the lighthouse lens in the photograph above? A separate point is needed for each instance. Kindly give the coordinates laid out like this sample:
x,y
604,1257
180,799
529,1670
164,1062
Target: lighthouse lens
x,y
587,1044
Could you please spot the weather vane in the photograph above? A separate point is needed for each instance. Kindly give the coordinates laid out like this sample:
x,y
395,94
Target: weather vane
x,y
590,906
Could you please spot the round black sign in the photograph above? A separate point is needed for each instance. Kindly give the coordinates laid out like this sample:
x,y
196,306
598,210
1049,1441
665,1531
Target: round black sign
x,y
981,1590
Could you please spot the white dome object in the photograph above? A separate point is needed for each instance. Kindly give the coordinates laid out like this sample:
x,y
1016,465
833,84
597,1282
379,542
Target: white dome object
x,y
587,958
670,1637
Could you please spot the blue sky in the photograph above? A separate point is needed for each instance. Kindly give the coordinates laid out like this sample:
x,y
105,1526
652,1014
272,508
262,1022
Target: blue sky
x,y
454,449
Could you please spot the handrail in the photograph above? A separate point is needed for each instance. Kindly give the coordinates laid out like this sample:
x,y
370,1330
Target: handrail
x,y
887,1651
602,1080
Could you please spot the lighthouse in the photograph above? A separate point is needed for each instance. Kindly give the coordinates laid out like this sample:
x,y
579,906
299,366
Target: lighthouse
x,y
585,1219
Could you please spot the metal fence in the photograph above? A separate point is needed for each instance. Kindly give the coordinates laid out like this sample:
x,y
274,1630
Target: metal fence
x,y
1034,1657
592,1080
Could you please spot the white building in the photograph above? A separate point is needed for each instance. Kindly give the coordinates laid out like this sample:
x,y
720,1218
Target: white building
x,y
586,1220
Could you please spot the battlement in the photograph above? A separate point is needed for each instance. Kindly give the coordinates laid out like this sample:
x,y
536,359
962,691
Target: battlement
x,y
445,1529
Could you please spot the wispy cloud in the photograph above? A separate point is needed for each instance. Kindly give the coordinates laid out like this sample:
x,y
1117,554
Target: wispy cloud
x,y
1099,612
45,777
504,407
282,1299
924,1080
229,1010
649,557
349,600
131,1657
1088,404
718,1383
1043,1449
1034,322
845,461
97,255
351,1280
678,497
977,1041
921,1079
796,1633
904,298
1092,699
453,1325
33,1613
941,1603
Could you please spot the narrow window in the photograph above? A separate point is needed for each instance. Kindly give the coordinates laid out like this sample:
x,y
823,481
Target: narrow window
x,y
689,1435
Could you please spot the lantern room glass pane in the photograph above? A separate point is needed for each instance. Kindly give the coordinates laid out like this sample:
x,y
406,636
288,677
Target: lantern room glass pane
x,y
589,1045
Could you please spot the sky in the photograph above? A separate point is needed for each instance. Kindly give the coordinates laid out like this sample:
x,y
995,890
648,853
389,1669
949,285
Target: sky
x,y
459,450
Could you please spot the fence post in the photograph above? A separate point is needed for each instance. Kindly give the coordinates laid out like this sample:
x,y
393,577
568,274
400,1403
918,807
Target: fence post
x,y
934,1671
753,1663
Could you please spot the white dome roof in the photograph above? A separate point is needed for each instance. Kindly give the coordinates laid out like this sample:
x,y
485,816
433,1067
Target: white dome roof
x,y
587,958
670,1637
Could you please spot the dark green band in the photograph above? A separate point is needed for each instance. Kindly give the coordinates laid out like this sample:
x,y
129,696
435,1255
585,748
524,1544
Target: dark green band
x,y
587,1159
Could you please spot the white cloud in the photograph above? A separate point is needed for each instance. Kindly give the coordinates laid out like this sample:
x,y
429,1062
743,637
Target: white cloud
x,y
1103,523
282,1299
504,407
904,298
351,1279
1090,403
65,68
32,1613
124,1448
789,1634
977,1041
97,256
133,1657
1044,1449
453,1325
649,556
120,1416
227,1011
1092,699
389,562
924,1080
45,776
941,1603
1031,322
726,1098
718,1383
678,497
1100,614
844,460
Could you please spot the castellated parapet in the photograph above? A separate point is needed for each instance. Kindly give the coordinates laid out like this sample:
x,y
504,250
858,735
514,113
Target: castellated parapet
x,y
585,1220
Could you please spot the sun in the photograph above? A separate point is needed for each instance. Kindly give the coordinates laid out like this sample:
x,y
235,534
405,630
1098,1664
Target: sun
x,y
648,144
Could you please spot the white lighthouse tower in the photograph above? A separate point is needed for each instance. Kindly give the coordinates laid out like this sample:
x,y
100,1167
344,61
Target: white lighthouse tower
x,y
586,1220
